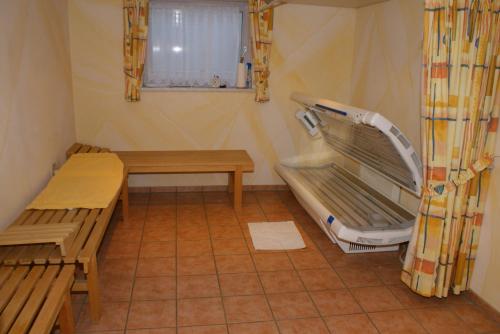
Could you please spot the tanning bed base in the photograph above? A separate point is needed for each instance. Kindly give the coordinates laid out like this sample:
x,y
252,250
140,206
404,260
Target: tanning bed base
x,y
352,214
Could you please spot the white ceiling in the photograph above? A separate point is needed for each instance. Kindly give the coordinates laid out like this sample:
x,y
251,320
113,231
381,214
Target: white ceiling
x,y
337,3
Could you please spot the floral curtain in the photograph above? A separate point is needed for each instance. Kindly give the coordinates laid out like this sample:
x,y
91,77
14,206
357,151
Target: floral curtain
x,y
460,110
261,23
135,38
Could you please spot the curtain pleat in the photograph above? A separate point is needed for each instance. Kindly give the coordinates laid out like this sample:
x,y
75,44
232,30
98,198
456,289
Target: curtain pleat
x,y
460,109
261,24
135,37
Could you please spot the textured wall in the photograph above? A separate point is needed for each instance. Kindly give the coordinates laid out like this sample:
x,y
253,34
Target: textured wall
x,y
312,52
387,57
36,108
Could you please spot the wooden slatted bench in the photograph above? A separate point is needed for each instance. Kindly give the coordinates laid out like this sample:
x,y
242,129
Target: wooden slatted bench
x,y
83,249
233,162
32,298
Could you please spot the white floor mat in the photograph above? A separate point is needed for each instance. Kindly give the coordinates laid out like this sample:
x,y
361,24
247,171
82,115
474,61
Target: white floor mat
x,y
276,236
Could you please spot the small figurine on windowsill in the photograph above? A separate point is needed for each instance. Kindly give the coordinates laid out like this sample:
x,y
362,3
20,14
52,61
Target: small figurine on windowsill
x,y
215,82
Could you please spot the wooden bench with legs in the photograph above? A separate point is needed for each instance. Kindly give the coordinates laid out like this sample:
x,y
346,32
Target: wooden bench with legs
x,y
233,162
82,251
33,298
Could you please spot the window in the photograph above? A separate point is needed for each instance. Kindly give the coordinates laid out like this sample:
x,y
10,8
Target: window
x,y
190,42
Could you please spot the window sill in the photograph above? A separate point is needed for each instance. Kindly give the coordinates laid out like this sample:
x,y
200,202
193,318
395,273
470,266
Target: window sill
x,y
198,89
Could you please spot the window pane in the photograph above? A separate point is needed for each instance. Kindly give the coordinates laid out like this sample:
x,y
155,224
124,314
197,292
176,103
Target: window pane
x,y
191,42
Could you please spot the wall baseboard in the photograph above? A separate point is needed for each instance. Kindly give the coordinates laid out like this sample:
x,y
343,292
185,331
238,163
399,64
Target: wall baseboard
x,y
484,306
173,189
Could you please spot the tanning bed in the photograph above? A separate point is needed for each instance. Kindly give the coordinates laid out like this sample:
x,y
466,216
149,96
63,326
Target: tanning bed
x,y
345,188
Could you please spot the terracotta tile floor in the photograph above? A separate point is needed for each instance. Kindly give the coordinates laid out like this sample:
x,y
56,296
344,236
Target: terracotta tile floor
x,y
184,263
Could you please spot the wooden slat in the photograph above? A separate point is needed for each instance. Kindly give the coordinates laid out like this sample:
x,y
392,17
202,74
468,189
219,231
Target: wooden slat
x,y
47,317
84,149
81,215
44,253
73,149
60,234
22,218
55,257
59,215
10,286
23,254
4,252
12,258
97,234
80,286
46,216
41,228
27,315
5,272
81,238
37,231
33,217
70,214
17,301
66,315
30,254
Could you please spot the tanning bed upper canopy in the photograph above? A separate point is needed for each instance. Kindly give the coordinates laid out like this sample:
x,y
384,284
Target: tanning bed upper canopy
x,y
366,137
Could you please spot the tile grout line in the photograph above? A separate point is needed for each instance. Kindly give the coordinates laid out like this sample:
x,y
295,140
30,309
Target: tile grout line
x,y
136,265
176,264
275,320
293,266
298,275
340,277
215,264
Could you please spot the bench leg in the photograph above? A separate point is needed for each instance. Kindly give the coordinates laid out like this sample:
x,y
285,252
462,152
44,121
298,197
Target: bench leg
x,y
230,182
94,291
238,189
125,198
66,320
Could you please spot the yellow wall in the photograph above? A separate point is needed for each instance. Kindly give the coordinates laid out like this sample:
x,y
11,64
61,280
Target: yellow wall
x,y
386,70
312,52
36,107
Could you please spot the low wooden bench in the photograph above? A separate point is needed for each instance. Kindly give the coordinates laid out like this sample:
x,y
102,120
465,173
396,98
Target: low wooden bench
x,y
233,162
83,249
32,298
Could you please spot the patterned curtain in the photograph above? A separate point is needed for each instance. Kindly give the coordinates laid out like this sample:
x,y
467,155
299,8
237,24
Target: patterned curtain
x,y
135,38
460,110
262,31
